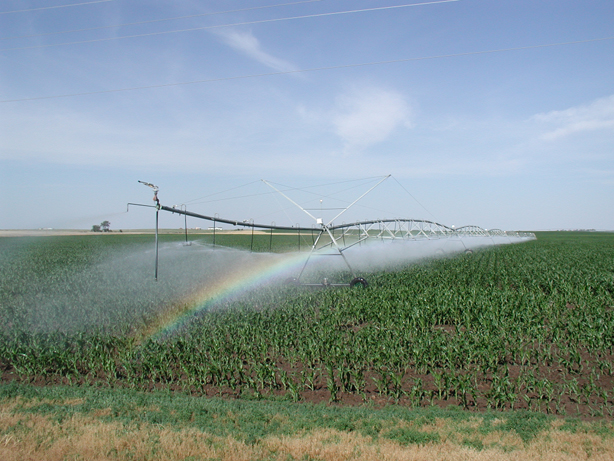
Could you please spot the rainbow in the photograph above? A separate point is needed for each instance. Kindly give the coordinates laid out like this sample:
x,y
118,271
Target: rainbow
x,y
226,286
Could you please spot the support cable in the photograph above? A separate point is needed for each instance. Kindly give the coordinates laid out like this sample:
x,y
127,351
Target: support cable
x,y
409,193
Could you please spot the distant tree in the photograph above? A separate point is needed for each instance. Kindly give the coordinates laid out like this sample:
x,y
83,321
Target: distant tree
x,y
105,226
95,228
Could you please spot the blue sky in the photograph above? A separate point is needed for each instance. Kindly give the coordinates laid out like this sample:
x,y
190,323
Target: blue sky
x,y
520,138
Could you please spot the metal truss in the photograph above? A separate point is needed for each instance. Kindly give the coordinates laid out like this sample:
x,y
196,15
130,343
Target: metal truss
x,y
335,240
395,229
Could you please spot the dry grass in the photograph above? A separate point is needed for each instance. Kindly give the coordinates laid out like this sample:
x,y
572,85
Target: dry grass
x,y
31,436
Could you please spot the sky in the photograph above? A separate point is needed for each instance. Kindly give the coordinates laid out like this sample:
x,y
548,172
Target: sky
x,y
491,113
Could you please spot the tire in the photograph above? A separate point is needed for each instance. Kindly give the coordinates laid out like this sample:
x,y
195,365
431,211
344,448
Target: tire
x,y
291,281
360,282
468,251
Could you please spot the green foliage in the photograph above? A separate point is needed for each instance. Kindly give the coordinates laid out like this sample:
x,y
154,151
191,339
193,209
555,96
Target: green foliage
x,y
252,421
410,436
528,325
526,425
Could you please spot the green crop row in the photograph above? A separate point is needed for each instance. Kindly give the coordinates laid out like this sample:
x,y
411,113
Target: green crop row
x,y
514,326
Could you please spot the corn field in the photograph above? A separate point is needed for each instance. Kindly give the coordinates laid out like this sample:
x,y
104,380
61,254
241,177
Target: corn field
x,y
525,326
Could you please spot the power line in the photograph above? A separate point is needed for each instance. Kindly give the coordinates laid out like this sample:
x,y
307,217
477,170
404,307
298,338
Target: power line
x,y
160,20
247,23
56,6
313,69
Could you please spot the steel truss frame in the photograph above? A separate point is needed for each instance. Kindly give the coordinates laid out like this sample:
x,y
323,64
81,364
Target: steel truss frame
x,y
336,239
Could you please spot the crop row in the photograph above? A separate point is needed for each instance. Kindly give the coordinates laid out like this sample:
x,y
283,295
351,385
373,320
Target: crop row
x,y
514,326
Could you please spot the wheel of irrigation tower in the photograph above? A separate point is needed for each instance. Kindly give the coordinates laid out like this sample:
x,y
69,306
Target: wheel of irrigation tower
x,y
360,282
468,251
291,281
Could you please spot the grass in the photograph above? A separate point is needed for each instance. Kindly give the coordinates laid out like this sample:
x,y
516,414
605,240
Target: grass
x,y
63,422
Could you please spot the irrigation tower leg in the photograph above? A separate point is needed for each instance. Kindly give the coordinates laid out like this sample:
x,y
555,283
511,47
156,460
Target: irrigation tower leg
x,y
185,225
313,249
156,269
336,245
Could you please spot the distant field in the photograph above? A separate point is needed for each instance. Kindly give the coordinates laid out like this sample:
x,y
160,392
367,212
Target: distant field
x,y
526,326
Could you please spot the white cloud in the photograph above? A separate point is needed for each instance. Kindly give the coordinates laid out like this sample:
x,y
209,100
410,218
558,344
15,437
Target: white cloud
x,y
246,43
74,137
189,142
597,115
367,116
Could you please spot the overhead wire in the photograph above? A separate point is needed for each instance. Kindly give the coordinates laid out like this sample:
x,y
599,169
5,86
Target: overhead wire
x,y
55,7
313,69
151,21
218,26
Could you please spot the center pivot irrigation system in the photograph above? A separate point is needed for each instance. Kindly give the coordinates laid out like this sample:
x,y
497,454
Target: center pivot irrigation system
x,y
335,240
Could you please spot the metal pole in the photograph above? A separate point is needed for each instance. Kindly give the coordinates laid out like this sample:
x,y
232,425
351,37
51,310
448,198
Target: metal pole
x,y
313,249
251,245
156,270
157,200
214,218
186,224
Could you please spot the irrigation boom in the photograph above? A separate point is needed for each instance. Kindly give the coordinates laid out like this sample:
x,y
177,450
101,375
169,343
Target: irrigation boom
x,y
335,240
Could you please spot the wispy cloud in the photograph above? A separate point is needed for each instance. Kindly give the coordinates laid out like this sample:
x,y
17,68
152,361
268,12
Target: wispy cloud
x,y
248,44
597,115
368,115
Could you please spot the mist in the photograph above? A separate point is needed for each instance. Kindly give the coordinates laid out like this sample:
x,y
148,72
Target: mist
x,y
117,290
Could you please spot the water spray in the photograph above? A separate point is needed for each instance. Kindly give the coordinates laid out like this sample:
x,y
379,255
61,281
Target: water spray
x,y
335,240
